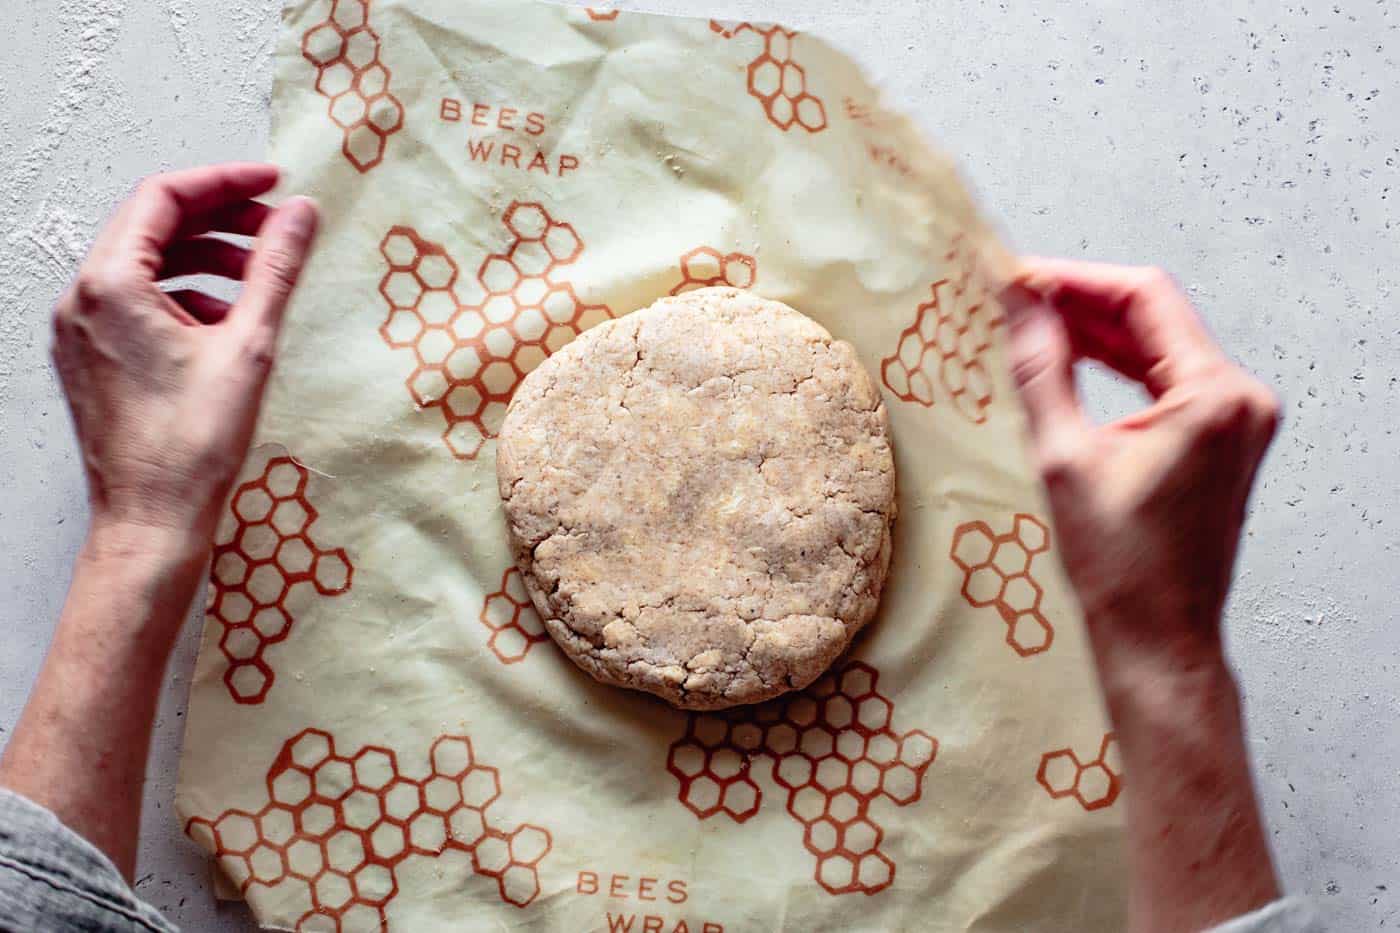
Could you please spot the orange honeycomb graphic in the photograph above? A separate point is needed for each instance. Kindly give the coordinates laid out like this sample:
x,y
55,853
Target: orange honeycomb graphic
x,y
269,566
997,572
860,113
952,332
355,82
832,750
514,624
337,826
600,15
776,80
704,266
1095,784
473,341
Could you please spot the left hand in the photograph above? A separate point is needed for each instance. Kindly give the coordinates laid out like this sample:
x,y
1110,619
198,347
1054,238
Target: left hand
x,y
165,387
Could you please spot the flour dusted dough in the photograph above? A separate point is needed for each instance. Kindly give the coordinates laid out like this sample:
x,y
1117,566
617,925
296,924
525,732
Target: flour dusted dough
x,y
700,497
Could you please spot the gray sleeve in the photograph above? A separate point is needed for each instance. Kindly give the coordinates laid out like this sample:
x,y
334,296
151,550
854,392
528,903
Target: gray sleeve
x,y
1290,915
53,879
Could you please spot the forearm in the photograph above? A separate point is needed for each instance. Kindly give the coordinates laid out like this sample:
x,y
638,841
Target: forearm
x,y
1197,849
81,745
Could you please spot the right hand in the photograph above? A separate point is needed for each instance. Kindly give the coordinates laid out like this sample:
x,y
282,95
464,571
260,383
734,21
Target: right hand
x,y
1148,509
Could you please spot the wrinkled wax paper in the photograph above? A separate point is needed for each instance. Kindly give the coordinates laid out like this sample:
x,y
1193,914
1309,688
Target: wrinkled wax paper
x,y
381,735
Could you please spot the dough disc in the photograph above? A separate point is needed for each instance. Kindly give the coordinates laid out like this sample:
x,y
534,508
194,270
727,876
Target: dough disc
x,y
700,498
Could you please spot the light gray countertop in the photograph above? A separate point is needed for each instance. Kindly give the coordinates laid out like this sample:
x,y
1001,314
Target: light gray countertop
x,y
1244,146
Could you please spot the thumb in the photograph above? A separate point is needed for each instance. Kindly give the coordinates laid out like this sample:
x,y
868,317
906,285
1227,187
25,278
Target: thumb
x,y
1042,362
283,244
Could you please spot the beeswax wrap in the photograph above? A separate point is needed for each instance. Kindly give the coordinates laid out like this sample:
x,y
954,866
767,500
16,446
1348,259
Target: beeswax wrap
x,y
381,735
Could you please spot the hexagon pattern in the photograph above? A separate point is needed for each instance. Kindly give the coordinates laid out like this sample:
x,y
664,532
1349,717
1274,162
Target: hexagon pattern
x,y
864,114
265,571
705,266
511,617
951,335
776,80
997,571
1095,784
337,827
832,750
473,341
354,80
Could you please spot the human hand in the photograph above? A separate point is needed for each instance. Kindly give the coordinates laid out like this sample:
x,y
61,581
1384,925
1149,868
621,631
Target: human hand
x,y
164,390
1148,509
1148,512
165,387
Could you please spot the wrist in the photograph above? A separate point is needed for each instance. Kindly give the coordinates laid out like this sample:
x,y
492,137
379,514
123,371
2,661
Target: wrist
x,y
1165,689
140,547
1164,652
159,569
1155,697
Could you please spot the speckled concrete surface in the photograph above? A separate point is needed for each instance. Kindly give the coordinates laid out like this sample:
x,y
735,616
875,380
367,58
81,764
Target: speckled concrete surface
x,y
1244,146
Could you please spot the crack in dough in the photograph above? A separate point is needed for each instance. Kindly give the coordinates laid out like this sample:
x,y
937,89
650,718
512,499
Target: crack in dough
x,y
700,498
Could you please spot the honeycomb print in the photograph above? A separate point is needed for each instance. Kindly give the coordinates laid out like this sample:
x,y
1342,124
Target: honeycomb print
x,y
355,82
473,341
860,113
337,826
269,566
832,750
777,81
514,624
703,267
1095,784
951,333
997,572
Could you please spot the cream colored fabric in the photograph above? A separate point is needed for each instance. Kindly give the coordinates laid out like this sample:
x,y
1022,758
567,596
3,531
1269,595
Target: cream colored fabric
x,y
379,729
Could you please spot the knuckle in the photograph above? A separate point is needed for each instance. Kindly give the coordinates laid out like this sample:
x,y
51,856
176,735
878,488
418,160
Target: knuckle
x,y
1157,279
98,284
63,308
151,186
283,265
1055,474
1224,416
1032,359
1058,466
60,337
259,350
1028,364
1266,400
1237,404
1265,411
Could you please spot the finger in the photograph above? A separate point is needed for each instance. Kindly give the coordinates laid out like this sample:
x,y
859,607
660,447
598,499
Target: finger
x,y
163,204
1107,344
244,218
204,309
276,265
1042,362
1135,319
204,256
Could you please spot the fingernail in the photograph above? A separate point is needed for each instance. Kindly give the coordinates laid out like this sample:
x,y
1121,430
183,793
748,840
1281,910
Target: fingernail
x,y
300,212
1033,329
1018,299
